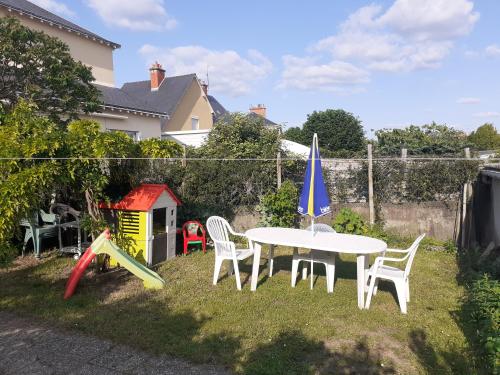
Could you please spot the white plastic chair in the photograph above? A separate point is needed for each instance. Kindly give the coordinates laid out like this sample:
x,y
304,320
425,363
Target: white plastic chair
x,y
219,230
399,277
316,256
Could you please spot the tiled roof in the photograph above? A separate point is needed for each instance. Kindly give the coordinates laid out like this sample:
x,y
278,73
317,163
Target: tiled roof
x,y
168,95
218,108
33,10
118,98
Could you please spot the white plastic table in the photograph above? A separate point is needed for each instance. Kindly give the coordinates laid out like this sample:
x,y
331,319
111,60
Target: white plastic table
x,y
336,242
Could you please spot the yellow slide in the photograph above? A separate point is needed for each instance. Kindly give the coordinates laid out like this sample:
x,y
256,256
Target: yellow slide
x,y
150,279
103,245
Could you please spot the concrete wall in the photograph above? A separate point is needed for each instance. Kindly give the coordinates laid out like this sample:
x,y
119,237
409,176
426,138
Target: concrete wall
x,y
149,127
92,53
194,103
436,219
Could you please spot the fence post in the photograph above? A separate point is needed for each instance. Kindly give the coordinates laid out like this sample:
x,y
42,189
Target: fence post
x,y
370,185
404,157
183,155
278,168
464,202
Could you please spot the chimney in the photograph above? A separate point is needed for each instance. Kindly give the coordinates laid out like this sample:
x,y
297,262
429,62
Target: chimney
x,y
157,74
259,109
204,86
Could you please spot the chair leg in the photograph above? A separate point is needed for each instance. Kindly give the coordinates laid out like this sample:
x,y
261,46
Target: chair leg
x,y
237,273
270,261
304,271
376,288
204,246
401,291
185,247
218,264
295,268
332,273
370,292
328,278
407,290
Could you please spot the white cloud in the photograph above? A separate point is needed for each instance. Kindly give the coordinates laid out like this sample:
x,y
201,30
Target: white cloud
x,y
229,72
55,7
431,19
409,35
468,100
308,74
144,15
487,114
493,50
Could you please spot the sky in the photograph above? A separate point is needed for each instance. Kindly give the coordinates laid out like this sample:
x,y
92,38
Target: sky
x,y
389,62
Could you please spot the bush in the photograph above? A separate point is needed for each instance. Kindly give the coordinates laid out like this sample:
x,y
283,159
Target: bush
x,y
279,209
7,253
348,221
483,302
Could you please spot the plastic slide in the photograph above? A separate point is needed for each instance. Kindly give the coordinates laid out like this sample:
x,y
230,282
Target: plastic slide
x,y
103,245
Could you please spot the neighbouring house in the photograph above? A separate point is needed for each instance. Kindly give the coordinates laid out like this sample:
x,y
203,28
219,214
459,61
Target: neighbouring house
x,y
170,107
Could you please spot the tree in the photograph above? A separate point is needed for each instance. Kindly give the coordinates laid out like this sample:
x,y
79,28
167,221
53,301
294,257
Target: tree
x,y
337,130
25,184
295,134
485,137
39,68
432,139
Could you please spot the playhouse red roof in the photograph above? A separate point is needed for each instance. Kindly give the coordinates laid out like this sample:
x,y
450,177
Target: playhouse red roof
x,y
142,198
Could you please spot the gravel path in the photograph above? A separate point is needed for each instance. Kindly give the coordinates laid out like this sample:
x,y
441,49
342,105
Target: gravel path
x,y
29,347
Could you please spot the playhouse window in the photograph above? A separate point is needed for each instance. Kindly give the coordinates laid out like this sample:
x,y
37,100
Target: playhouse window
x,y
159,220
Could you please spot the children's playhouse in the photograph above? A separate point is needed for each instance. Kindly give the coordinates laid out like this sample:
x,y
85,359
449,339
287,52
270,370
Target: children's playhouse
x,y
145,222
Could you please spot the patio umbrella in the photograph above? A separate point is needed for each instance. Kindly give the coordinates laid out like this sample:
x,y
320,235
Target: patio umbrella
x,y
314,200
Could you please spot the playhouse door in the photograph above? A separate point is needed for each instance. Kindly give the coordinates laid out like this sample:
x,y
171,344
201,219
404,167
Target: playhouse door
x,y
160,246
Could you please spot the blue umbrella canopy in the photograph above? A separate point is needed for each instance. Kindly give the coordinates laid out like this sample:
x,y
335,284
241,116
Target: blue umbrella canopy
x,y
314,200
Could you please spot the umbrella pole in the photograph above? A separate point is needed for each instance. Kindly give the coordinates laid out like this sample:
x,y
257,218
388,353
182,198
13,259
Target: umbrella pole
x,y
312,252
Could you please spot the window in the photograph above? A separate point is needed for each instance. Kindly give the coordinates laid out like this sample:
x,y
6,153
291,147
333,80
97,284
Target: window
x,y
195,123
159,221
136,136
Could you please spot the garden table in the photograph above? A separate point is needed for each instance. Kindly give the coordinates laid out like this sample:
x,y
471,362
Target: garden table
x,y
362,246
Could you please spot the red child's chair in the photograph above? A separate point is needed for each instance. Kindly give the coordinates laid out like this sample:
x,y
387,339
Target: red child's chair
x,y
194,233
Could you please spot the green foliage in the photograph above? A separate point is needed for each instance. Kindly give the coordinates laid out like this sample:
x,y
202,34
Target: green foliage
x,y
485,137
396,181
295,134
483,304
39,68
337,130
348,221
157,148
25,184
279,209
433,139
209,187
7,254
241,136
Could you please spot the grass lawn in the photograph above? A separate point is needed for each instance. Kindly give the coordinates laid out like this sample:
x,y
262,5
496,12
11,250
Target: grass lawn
x,y
275,330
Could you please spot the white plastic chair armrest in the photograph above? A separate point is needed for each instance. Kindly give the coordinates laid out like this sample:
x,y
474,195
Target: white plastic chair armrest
x,y
396,251
227,243
389,259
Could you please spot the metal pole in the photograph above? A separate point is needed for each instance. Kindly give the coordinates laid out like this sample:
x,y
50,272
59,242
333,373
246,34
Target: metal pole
x,y
464,202
370,185
278,168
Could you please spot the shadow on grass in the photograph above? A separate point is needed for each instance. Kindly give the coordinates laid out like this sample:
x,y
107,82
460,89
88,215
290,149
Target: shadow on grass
x,y
293,353
437,362
147,321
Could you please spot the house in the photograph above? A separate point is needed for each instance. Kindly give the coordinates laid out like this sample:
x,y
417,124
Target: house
x,y
170,107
